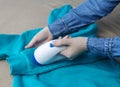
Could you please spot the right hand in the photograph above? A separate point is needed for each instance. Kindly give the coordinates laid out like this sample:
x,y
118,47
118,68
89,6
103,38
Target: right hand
x,y
74,46
40,38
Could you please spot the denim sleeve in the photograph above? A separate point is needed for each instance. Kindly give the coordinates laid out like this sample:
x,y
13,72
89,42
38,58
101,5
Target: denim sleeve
x,y
106,47
84,14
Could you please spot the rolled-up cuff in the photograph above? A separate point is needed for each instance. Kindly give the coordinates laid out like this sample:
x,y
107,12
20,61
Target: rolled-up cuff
x,y
100,46
58,28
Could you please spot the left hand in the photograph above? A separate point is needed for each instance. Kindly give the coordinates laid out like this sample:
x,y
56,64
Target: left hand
x,y
75,46
41,37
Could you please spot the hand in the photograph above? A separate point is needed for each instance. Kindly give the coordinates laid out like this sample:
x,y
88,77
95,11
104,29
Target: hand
x,y
40,38
75,46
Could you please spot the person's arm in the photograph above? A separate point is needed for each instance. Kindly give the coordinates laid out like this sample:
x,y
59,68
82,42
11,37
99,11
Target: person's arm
x,y
86,13
106,47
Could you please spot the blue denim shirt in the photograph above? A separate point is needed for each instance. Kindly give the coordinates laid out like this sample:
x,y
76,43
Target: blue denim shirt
x,y
106,47
86,13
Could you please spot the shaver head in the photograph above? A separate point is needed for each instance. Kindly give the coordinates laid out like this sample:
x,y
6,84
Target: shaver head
x,y
35,61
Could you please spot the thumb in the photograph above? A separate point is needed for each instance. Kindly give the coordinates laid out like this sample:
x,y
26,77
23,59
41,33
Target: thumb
x,y
61,42
31,43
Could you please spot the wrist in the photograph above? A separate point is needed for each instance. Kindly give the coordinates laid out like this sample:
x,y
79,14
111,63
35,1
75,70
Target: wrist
x,y
46,29
85,43
82,43
97,46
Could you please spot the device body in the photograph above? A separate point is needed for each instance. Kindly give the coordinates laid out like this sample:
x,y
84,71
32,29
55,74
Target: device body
x,y
45,53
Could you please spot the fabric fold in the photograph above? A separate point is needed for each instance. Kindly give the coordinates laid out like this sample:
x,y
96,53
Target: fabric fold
x,y
20,59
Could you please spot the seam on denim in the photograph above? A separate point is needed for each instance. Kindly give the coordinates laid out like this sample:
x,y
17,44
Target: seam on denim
x,y
65,26
75,12
110,48
106,47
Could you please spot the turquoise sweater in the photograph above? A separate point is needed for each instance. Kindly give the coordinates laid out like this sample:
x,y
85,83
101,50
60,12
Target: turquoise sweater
x,y
87,70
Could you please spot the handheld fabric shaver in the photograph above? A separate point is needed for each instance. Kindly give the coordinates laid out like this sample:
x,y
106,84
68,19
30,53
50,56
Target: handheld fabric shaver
x,y
45,53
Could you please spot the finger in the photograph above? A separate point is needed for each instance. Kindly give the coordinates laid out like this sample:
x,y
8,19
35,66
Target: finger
x,y
61,42
45,41
67,37
40,42
60,37
67,53
31,43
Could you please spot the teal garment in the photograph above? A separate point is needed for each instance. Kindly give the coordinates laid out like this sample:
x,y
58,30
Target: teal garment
x,y
87,70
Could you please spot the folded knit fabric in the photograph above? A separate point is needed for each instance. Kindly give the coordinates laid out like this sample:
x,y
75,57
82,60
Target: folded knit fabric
x,y
86,70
